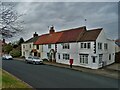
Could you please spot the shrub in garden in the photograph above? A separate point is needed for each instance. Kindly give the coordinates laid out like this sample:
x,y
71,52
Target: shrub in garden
x,y
15,53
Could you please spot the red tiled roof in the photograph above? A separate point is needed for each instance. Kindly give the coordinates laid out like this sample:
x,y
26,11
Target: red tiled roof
x,y
49,38
72,35
61,37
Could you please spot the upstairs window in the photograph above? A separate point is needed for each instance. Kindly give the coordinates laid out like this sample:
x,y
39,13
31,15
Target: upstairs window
x,y
30,45
23,46
85,45
88,45
105,46
99,46
66,46
82,45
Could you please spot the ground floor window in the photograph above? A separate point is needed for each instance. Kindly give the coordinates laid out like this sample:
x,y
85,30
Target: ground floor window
x,y
58,55
48,55
23,53
66,56
109,56
84,58
100,58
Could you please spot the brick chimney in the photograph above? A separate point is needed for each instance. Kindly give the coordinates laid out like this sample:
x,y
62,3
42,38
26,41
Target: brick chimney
x,y
3,40
51,31
35,34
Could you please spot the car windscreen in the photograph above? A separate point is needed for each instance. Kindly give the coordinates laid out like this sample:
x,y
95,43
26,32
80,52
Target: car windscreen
x,y
36,57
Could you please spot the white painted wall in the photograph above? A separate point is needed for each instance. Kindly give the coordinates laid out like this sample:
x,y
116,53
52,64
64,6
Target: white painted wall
x,y
27,49
75,50
46,50
111,49
91,54
40,50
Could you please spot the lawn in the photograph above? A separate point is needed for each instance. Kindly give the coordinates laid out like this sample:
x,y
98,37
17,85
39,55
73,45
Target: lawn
x,y
0,79
9,81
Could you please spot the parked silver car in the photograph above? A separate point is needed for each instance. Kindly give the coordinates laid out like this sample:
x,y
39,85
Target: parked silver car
x,y
7,57
34,60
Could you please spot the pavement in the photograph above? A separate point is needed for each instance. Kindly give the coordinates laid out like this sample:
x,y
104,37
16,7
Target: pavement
x,y
112,71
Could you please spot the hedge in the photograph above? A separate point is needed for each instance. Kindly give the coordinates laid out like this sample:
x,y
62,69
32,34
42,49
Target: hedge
x,y
15,53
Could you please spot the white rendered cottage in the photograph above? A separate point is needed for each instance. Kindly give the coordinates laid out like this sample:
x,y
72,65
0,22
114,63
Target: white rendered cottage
x,y
27,47
87,48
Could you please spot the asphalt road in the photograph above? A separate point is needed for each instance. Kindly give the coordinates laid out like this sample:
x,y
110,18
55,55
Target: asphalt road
x,y
45,76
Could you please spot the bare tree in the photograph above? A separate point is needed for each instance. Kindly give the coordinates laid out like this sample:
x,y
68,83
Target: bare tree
x,y
9,20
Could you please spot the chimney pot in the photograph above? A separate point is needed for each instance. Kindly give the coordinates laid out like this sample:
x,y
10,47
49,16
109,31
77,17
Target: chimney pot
x,y
51,31
35,34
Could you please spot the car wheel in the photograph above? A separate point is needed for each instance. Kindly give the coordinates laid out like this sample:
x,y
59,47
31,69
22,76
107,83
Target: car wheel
x,y
34,63
26,61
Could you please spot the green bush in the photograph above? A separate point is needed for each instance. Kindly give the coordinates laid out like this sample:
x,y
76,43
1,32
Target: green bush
x,y
45,60
15,53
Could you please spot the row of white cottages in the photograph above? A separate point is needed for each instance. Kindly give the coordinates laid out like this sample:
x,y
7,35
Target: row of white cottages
x,y
87,48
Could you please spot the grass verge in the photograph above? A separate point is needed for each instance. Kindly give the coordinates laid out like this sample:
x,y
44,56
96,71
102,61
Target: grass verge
x,y
10,81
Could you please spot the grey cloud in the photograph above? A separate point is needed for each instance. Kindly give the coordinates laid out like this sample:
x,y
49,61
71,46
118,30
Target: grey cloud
x,y
65,15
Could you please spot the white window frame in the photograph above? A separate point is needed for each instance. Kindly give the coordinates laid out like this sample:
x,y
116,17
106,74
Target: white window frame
x,y
100,46
66,56
23,46
66,46
81,45
85,45
105,46
84,58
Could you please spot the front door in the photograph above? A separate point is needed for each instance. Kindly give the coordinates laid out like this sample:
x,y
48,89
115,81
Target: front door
x,y
94,62
35,53
52,55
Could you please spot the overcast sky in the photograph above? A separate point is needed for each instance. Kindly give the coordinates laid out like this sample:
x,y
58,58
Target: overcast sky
x,y
66,15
